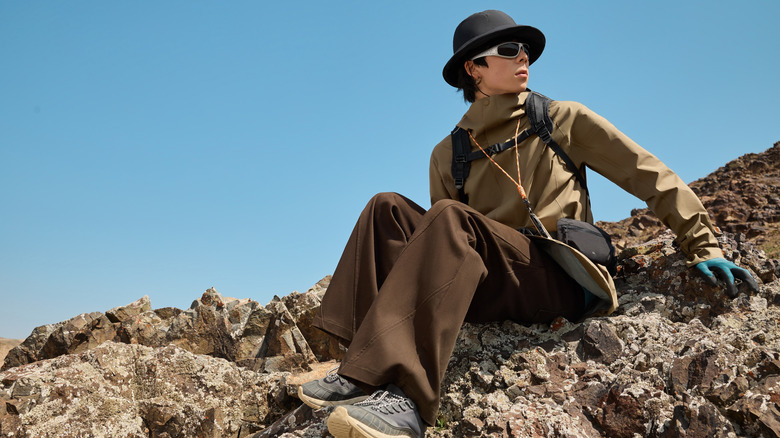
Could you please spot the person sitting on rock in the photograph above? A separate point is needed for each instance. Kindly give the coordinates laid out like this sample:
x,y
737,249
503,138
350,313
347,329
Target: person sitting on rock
x,y
408,278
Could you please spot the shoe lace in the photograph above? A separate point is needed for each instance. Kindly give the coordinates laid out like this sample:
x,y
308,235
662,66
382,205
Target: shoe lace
x,y
333,376
387,402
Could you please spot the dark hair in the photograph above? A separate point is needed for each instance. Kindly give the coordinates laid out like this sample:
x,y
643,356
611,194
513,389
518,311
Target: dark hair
x,y
467,84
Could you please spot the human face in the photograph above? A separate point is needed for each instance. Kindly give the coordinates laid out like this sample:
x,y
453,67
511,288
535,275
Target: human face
x,y
501,76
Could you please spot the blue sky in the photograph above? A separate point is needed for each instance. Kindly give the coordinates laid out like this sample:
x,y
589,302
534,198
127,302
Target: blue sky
x,y
162,148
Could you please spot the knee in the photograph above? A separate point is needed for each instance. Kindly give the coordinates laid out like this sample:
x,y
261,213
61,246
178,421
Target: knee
x,y
454,219
386,199
383,203
450,213
449,207
393,205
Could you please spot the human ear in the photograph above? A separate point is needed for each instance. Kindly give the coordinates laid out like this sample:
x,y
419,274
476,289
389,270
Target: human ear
x,y
470,67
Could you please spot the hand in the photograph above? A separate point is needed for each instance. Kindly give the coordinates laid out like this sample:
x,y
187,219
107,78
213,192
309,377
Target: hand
x,y
720,268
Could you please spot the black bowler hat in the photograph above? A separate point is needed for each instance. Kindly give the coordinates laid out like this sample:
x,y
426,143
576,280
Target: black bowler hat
x,y
479,30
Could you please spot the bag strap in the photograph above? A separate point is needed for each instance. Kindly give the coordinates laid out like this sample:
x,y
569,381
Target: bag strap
x,y
462,156
461,165
537,106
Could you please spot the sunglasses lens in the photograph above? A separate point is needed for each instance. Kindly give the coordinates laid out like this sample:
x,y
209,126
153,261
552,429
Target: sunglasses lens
x,y
509,50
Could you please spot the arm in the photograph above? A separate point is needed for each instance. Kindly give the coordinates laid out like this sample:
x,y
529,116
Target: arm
x,y
611,153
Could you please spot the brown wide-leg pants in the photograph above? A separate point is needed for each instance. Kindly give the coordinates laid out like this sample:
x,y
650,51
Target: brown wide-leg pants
x,y
408,279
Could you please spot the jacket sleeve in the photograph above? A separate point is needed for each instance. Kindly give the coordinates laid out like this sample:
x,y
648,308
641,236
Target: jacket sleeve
x,y
606,150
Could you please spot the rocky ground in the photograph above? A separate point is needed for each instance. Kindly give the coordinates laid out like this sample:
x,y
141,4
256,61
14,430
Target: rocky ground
x,y
678,358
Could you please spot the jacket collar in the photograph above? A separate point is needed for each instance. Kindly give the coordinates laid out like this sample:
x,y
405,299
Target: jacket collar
x,y
493,111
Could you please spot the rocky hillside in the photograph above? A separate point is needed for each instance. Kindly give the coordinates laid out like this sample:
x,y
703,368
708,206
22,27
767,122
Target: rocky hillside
x,y
678,357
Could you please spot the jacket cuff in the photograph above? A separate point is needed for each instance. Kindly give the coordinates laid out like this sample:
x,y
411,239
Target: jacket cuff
x,y
703,255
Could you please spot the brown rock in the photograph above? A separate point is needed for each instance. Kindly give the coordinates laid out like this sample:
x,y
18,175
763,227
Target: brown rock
x,y
7,345
38,345
119,314
600,343
698,421
622,413
694,372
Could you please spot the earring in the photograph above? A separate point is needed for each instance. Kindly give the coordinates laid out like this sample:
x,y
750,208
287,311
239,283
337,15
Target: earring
x,y
478,81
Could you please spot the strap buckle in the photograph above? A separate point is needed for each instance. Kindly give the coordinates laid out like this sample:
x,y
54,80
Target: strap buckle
x,y
494,149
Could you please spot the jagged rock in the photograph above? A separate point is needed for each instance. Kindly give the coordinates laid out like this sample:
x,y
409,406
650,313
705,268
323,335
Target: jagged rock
x,y
50,340
698,420
99,330
694,372
7,345
303,308
241,331
758,408
119,314
600,343
283,347
302,421
126,390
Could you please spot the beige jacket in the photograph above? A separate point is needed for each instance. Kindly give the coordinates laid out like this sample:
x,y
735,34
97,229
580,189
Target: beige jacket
x,y
590,140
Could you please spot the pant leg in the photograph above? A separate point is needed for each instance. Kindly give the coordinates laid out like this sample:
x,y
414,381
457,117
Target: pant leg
x,y
381,233
458,265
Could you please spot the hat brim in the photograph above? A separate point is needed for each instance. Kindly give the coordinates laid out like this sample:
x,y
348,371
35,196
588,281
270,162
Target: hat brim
x,y
524,34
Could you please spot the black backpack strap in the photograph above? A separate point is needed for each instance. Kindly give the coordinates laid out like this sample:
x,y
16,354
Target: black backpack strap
x,y
462,156
461,147
537,107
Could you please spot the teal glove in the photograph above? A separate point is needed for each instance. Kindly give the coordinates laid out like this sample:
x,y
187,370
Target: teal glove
x,y
722,269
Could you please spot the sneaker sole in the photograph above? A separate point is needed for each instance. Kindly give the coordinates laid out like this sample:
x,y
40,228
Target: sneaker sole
x,y
341,425
316,403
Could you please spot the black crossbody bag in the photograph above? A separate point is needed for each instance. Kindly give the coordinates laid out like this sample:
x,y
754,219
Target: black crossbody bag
x,y
590,240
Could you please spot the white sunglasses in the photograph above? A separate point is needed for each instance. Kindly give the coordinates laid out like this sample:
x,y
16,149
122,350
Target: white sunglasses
x,y
504,50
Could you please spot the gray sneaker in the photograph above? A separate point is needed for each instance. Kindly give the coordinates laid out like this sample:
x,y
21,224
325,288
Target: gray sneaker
x,y
332,390
385,414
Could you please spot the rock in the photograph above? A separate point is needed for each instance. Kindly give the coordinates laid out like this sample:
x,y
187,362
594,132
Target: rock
x,y
303,308
119,314
696,372
758,409
7,345
698,421
241,331
600,343
97,331
284,347
50,340
302,421
623,412
119,389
